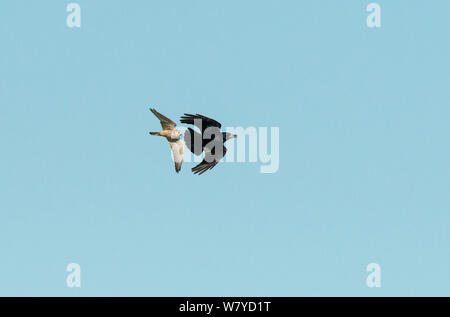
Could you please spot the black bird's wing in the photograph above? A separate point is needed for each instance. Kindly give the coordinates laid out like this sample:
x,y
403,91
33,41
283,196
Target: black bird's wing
x,y
203,167
212,157
193,141
200,121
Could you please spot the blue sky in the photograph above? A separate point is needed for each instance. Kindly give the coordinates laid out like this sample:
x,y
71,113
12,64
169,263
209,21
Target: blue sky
x,y
364,148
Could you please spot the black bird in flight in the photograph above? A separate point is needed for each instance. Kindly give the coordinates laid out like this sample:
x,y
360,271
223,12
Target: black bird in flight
x,y
211,141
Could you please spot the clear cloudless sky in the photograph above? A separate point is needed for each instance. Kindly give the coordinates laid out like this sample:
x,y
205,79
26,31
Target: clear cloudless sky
x,y
364,148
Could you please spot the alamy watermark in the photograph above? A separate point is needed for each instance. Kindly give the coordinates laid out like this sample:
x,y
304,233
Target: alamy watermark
x,y
74,277
73,20
374,277
251,145
374,18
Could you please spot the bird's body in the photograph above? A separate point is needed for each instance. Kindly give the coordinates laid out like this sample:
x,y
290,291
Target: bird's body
x,y
170,135
211,141
173,137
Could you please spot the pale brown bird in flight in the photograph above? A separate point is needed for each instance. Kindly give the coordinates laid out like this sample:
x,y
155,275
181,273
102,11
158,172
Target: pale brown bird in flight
x,y
173,136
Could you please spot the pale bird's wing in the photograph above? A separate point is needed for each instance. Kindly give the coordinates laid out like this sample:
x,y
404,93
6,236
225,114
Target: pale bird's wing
x,y
166,123
178,152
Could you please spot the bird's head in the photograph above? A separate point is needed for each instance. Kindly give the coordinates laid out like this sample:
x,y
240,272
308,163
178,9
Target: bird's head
x,y
178,133
228,136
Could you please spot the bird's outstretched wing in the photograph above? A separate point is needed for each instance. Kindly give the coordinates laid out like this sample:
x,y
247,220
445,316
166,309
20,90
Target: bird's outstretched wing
x,y
200,121
166,123
211,159
193,141
178,152
203,167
